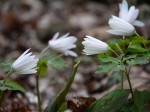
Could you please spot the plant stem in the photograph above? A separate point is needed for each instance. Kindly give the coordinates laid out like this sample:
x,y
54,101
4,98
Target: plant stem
x,y
37,81
123,37
38,93
114,52
122,78
124,44
130,85
5,78
43,51
119,48
137,34
4,81
1,98
57,56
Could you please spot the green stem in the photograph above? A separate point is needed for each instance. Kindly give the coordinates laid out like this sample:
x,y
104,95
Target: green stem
x,y
137,34
114,52
4,81
37,81
122,79
43,51
38,93
124,43
5,78
57,57
130,85
119,48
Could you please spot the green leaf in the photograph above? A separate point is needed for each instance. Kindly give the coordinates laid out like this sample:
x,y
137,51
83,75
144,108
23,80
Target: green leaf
x,y
11,85
55,104
138,61
141,100
111,102
57,64
105,68
109,59
129,57
110,67
114,42
138,39
136,49
5,65
119,68
55,61
63,107
42,67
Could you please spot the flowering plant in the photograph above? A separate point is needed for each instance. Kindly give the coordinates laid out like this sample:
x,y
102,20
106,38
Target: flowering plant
x,y
117,55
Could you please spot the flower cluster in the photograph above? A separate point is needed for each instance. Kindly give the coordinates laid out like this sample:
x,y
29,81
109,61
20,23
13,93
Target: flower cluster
x,y
122,25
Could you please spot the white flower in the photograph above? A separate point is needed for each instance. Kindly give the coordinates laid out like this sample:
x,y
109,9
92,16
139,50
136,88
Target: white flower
x,y
94,46
120,27
63,44
25,64
129,15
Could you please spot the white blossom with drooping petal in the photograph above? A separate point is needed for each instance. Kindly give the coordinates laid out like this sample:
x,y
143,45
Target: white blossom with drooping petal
x,y
129,15
63,44
25,64
94,46
120,27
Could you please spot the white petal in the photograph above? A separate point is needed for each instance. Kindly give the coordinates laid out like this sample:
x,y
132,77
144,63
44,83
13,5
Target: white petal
x,y
71,53
138,23
64,36
129,16
31,71
119,32
132,15
21,57
123,9
55,36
